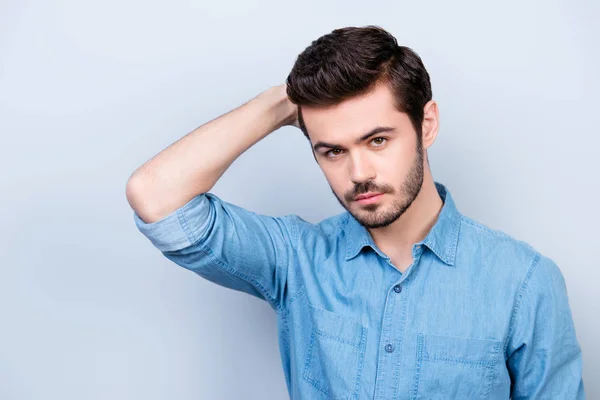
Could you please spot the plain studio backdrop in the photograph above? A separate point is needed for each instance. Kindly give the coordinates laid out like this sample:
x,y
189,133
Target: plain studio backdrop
x,y
89,309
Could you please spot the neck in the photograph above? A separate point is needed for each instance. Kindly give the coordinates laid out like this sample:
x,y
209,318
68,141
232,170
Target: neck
x,y
414,224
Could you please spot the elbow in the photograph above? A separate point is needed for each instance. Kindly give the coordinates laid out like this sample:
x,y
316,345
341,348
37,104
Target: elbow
x,y
143,199
138,200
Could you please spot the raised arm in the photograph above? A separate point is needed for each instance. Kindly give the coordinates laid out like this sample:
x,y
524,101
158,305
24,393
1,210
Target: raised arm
x,y
193,164
222,242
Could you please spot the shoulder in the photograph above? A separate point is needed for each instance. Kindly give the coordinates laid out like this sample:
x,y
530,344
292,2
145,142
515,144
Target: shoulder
x,y
498,250
511,263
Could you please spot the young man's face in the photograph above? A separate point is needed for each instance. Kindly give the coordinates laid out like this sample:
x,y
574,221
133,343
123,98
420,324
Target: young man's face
x,y
389,163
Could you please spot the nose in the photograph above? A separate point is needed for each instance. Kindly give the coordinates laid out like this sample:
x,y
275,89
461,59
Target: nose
x,y
361,169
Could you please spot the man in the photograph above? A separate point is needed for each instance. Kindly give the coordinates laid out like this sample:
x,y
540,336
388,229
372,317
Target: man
x,y
399,297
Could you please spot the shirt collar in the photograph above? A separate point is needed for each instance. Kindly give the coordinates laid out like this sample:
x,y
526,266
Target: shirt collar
x,y
442,239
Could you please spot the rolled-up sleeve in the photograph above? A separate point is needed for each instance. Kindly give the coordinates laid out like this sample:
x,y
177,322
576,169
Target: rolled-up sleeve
x,y
544,356
228,245
173,232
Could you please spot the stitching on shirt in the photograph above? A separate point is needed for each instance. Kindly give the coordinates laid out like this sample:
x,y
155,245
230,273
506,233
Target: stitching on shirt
x,y
454,242
361,357
419,364
517,304
347,238
487,362
299,293
185,226
452,360
360,346
491,373
337,338
386,328
282,309
401,335
189,232
306,374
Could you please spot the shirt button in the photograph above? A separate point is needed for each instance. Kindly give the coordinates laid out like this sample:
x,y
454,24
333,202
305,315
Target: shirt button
x,y
397,288
389,348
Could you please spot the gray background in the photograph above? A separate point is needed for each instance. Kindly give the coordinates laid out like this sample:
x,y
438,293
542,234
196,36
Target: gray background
x,y
91,90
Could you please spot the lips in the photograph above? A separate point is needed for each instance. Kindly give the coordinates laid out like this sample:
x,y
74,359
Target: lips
x,y
366,195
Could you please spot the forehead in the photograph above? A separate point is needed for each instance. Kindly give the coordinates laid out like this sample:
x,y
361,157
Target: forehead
x,y
345,122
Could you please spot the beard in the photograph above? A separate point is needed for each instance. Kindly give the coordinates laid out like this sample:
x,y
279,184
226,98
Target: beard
x,y
371,216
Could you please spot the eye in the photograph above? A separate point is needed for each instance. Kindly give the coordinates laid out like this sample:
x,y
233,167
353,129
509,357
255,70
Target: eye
x,y
379,141
333,153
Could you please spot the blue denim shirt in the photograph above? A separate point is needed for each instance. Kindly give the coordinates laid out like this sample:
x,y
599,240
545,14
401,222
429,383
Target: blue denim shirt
x,y
477,315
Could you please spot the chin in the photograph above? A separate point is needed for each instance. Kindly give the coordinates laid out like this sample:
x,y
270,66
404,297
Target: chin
x,y
374,212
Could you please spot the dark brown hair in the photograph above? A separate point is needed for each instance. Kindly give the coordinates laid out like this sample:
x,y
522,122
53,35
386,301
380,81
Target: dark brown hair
x,y
349,62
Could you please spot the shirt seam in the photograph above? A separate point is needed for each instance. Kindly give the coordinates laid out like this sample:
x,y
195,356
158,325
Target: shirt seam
x,y
494,232
516,307
283,309
186,229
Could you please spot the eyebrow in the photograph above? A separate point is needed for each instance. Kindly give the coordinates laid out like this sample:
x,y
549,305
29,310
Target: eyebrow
x,y
367,135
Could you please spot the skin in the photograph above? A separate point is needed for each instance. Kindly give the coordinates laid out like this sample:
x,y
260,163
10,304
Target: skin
x,y
393,162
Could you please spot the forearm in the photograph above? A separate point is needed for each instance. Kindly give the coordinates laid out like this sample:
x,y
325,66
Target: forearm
x,y
194,163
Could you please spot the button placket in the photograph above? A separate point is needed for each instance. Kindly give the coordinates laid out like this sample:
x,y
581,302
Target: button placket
x,y
391,337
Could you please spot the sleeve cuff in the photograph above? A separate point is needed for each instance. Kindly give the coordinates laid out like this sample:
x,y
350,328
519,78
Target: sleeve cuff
x,y
181,228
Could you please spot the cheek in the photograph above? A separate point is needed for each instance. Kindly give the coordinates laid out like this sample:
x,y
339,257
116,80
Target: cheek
x,y
392,168
337,179
402,158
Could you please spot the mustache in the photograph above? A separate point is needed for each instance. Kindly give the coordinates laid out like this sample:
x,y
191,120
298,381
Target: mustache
x,y
365,187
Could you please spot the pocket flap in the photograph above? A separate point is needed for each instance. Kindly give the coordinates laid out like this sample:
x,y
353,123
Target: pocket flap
x,y
336,327
459,349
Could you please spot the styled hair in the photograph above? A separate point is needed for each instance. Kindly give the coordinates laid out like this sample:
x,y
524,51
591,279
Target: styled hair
x,y
350,62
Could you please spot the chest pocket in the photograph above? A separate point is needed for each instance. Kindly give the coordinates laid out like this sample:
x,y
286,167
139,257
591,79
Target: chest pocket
x,y
455,367
335,354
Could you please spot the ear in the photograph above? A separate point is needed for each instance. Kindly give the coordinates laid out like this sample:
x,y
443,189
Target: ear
x,y
431,123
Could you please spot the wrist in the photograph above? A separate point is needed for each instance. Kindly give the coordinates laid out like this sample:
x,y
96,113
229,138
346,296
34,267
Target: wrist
x,y
281,109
